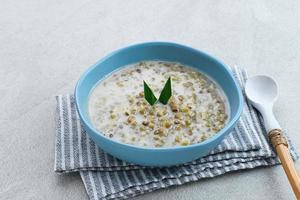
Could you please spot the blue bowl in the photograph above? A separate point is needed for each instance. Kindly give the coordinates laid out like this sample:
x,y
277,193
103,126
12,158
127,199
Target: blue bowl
x,y
165,51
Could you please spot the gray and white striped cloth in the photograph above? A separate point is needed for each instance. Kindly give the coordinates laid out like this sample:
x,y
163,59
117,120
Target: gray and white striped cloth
x,y
106,177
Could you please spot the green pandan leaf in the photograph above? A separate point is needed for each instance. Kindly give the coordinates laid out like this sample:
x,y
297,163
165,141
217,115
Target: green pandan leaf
x,y
166,92
149,95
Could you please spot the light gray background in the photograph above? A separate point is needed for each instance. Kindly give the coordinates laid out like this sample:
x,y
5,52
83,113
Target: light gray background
x,y
46,44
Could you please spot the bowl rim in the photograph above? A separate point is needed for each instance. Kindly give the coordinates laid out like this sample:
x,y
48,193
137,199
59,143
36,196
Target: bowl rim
x,y
159,149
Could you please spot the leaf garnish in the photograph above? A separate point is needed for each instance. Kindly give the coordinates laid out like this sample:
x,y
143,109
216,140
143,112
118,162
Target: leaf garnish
x,y
166,92
149,95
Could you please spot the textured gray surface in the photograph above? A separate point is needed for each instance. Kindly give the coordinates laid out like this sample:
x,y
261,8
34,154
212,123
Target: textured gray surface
x,y
45,46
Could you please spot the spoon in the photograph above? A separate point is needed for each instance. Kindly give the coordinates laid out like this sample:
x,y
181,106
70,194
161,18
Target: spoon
x,y
262,91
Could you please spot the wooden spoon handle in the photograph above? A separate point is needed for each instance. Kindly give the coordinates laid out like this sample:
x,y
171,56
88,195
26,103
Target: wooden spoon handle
x,y
281,146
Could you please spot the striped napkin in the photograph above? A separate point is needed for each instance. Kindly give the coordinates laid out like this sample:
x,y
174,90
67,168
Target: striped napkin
x,y
106,177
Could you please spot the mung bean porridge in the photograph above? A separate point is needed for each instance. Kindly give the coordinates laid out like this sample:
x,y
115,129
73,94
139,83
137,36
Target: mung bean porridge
x,y
197,109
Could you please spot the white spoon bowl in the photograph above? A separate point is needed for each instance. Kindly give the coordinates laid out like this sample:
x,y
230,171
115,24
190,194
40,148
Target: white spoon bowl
x,y
262,91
